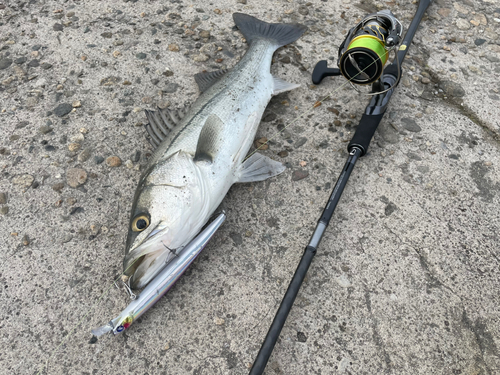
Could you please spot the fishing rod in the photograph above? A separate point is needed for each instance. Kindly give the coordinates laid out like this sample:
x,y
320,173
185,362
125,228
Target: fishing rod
x,y
362,56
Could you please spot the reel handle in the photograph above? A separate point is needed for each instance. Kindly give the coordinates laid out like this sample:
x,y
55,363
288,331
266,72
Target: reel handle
x,y
321,70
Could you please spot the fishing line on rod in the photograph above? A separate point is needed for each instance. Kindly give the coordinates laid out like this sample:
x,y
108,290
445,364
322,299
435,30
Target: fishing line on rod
x,y
319,102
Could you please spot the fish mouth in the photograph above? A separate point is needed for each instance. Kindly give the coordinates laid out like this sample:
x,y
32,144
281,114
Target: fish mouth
x,y
149,266
149,258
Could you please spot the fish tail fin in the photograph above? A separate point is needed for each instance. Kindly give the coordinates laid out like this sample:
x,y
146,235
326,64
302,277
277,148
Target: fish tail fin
x,y
280,33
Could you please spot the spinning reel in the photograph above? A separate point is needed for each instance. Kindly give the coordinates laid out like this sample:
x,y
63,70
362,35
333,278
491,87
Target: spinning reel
x,y
365,50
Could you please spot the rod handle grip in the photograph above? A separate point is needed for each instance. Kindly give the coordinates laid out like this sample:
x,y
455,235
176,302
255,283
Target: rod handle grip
x,y
364,132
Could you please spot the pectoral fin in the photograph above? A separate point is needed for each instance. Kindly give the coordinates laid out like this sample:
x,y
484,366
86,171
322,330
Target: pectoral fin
x,y
258,168
210,140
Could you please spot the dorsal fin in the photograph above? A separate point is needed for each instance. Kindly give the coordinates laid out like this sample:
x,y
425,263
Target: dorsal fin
x,y
161,122
206,79
210,140
157,127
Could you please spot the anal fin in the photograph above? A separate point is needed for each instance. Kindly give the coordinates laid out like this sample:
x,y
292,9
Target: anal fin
x,y
282,86
258,168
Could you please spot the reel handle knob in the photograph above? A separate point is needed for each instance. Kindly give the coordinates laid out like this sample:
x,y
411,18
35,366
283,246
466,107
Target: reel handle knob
x,y
392,40
321,71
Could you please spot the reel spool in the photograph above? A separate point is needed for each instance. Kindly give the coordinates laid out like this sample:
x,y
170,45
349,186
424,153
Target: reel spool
x,y
364,52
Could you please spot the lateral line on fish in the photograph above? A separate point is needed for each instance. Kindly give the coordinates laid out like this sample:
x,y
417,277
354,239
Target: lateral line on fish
x,y
315,105
83,318
212,100
174,186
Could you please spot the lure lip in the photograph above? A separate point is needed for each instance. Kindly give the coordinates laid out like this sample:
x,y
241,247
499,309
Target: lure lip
x,y
162,283
99,331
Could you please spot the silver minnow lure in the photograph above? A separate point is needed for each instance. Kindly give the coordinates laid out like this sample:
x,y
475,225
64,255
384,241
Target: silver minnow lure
x,y
162,282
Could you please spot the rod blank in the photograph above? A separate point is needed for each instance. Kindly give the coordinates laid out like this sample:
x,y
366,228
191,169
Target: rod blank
x,y
297,279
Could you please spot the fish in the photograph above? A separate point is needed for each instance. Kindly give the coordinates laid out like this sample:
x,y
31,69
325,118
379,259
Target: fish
x,y
200,152
162,283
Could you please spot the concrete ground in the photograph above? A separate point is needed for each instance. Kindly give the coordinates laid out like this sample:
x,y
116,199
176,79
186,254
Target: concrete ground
x,y
406,280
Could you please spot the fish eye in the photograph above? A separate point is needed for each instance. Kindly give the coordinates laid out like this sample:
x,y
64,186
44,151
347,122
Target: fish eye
x,y
140,223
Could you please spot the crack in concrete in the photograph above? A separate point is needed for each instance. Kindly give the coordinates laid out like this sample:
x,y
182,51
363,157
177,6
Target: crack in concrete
x,y
462,107
377,339
431,276
483,338
471,115
418,204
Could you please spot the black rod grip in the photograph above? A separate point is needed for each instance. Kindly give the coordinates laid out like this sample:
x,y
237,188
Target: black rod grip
x,y
286,305
364,132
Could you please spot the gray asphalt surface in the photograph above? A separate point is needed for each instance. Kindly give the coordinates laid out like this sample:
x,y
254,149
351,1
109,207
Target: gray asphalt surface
x,y
406,280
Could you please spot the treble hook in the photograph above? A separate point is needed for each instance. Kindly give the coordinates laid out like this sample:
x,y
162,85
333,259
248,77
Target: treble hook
x,y
131,294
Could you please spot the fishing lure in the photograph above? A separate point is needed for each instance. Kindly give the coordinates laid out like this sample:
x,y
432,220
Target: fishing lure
x,y
162,282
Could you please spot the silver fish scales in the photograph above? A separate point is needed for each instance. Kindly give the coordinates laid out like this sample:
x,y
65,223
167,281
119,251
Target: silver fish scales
x,y
201,152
